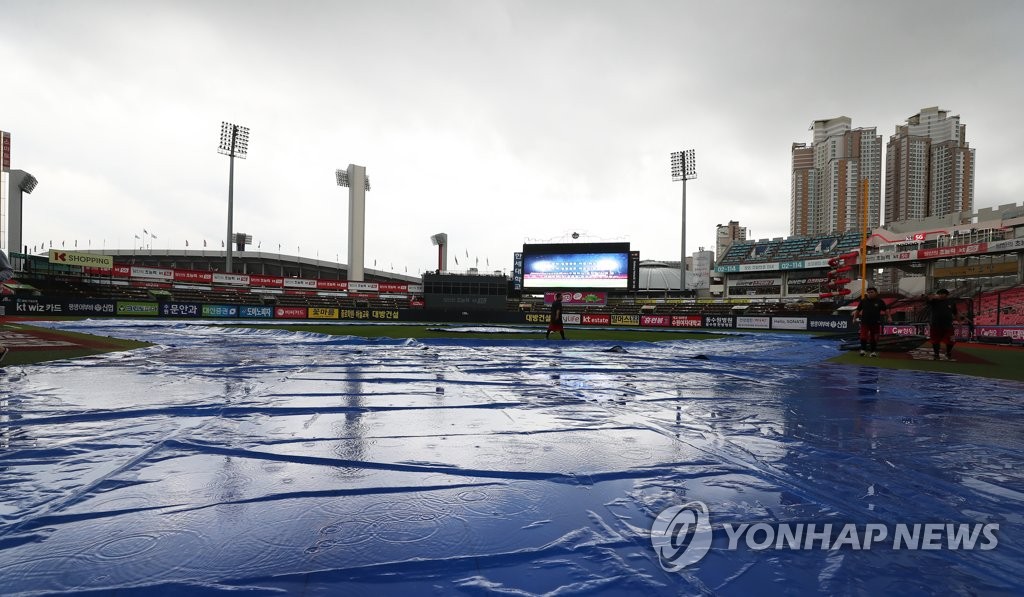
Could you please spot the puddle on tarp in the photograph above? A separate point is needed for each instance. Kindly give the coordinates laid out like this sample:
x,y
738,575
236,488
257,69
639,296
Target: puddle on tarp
x,y
224,459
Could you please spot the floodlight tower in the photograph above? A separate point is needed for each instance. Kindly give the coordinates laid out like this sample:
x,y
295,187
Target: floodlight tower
x,y
234,142
20,183
358,183
684,167
441,241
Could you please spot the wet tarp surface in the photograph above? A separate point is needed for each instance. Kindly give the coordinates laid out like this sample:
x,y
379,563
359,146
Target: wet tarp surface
x,y
227,459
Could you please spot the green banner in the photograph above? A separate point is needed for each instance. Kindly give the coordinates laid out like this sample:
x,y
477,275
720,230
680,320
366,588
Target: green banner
x,y
138,308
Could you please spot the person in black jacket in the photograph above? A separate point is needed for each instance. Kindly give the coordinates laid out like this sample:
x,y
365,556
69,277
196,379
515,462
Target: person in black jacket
x,y
556,318
870,313
941,331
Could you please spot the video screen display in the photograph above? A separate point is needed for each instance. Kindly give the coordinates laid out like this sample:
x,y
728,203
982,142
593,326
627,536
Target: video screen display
x,y
576,266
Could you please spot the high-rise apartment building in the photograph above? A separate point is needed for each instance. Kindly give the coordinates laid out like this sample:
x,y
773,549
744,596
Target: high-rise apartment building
x,y
726,235
929,168
826,191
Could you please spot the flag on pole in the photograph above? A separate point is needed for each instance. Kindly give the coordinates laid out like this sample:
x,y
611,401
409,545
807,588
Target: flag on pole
x,y
144,231
186,243
76,243
456,259
137,237
152,236
204,243
222,244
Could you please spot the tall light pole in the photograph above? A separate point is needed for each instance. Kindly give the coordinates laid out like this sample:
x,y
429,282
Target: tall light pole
x,y
354,177
684,167
234,142
441,241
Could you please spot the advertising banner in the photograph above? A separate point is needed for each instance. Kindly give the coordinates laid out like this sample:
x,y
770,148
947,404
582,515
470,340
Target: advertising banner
x,y
686,321
625,320
597,319
789,323
299,283
829,323
180,309
23,306
251,312
758,323
572,319
718,321
1015,332
81,259
153,273
230,279
577,298
220,311
289,312
322,313
335,285
266,281
362,286
392,287
138,308
91,308
656,321
957,251
193,277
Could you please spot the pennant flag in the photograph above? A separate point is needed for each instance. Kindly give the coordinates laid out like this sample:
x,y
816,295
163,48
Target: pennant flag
x,y
137,237
62,243
456,259
144,231
259,245
478,262
186,243
467,253
152,236
222,244
76,243
204,243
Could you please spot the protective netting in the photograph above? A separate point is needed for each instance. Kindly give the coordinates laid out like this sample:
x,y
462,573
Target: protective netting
x,y
226,458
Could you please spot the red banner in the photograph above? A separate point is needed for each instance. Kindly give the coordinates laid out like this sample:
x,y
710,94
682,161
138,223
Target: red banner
x,y
184,275
597,319
686,321
289,312
957,251
656,321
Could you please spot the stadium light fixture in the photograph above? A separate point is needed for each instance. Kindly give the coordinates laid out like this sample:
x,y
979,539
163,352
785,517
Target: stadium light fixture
x,y
440,240
234,143
684,167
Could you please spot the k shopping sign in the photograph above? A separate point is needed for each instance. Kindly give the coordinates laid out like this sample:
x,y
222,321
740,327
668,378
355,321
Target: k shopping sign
x,y
682,536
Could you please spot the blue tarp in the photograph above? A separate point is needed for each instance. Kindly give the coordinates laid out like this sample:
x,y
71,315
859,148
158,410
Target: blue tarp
x,y
223,459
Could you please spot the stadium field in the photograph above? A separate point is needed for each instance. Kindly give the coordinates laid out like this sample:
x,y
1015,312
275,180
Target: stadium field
x,y
490,332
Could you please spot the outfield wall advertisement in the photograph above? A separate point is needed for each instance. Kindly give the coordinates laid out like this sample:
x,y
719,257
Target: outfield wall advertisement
x,y
176,309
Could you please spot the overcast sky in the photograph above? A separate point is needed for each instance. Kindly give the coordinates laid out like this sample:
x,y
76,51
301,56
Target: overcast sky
x,y
497,122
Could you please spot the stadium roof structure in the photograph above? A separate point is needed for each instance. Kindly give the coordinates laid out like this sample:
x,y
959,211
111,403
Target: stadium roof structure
x,y
248,262
658,275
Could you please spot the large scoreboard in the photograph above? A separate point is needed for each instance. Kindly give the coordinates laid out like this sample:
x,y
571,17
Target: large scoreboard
x,y
582,266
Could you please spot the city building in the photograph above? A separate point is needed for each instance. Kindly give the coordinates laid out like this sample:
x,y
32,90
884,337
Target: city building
x,y
728,234
929,168
826,185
